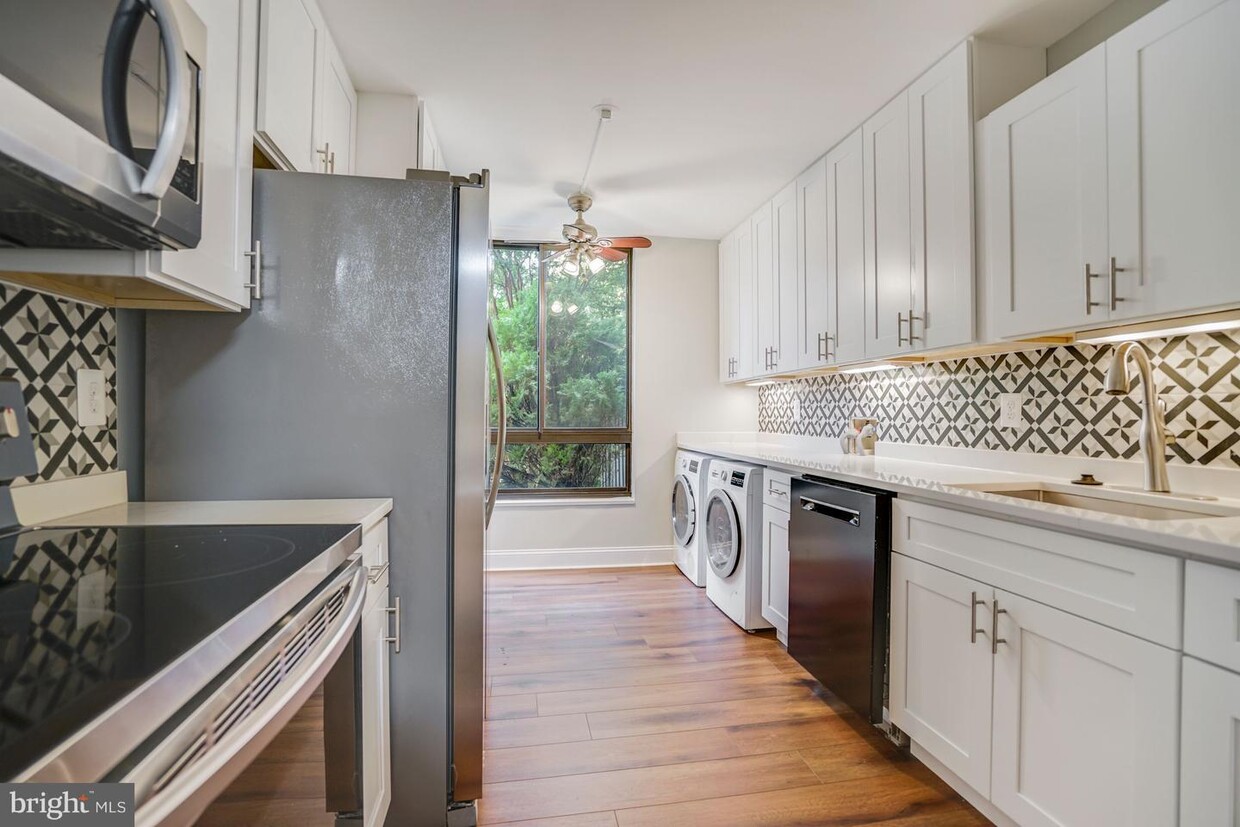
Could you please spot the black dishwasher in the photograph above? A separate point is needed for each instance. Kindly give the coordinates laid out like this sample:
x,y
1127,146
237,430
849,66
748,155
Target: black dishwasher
x,y
840,540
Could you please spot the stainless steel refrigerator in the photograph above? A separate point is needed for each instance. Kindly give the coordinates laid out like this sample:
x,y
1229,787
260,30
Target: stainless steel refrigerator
x,y
360,373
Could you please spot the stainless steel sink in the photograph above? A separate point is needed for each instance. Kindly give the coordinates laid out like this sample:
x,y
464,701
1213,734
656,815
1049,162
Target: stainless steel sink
x,y
1138,504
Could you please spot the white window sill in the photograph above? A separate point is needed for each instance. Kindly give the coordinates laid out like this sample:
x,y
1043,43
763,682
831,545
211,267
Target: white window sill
x,y
557,502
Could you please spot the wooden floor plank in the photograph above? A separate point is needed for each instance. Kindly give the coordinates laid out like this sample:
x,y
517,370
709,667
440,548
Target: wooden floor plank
x,y
566,795
669,694
500,707
550,760
521,732
583,820
521,684
704,716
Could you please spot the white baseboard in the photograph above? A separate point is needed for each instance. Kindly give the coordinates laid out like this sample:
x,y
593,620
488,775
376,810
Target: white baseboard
x,y
579,558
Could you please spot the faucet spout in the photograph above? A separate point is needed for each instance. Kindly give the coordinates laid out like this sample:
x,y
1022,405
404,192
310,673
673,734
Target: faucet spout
x,y
1154,436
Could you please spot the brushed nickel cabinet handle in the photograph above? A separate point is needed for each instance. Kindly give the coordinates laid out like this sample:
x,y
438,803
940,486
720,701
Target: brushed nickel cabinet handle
x,y
395,612
325,156
1090,304
973,630
913,318
830,346
995,640
900,330
255,284
1115,299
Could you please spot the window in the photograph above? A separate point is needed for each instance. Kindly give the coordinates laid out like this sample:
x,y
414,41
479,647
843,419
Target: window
x,y
564,344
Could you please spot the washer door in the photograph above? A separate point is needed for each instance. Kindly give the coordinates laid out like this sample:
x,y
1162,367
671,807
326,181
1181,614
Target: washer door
x,y
684,511
723,536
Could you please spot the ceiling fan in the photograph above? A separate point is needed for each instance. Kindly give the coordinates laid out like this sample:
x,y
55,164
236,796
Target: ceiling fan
x,y
583,250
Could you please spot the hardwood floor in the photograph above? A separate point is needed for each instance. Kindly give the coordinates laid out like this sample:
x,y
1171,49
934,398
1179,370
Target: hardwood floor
x,y
623,697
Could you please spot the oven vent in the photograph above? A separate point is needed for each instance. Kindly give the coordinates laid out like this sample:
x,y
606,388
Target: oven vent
x,y
295,648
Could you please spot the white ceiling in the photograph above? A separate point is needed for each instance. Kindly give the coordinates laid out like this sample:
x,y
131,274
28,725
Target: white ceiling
x,y
719,102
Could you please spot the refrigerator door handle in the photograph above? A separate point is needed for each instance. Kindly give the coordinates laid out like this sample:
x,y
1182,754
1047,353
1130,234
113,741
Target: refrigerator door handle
x,y
501,418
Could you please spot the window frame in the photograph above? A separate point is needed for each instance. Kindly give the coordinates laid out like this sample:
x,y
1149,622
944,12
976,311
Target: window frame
x,y
544,435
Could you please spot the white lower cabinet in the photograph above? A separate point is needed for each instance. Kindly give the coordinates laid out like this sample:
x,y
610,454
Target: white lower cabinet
x,y
775,569
1054,718
376,702
941,665
1085,721
1210,746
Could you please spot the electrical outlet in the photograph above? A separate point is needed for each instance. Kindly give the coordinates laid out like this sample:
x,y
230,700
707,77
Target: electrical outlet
x,y
92,397
1011,410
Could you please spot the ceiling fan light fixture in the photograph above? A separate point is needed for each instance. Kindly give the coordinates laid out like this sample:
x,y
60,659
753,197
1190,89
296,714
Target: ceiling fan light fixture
x,y
572,266
596,264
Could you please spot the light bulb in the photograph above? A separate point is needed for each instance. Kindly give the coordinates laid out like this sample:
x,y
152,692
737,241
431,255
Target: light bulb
x,y
572,310
571,267
557,307
596,264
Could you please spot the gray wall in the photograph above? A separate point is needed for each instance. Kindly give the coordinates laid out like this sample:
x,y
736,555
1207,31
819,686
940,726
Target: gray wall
x,y
131,399
1095,30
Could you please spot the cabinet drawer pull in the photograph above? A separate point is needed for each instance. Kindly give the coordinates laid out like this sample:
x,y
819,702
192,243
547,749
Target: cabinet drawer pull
x,y
1115,299
973,630
900,330
1090,304
395,611
995,640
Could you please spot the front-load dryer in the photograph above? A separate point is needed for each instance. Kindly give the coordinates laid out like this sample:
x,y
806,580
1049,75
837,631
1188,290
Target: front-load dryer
x,y
731,527
688,487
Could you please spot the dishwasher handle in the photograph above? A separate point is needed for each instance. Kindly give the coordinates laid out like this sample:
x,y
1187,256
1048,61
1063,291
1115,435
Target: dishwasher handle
x,y
838,512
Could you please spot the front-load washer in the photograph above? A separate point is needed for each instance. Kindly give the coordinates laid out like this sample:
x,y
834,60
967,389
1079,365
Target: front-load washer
x,y
731,527
688,488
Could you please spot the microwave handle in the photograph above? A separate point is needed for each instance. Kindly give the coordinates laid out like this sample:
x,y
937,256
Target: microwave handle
x,y
119,51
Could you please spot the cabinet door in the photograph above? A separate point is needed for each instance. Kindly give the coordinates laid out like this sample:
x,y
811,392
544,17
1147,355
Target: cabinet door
x,y
746,304
817,304
289,40
339,116
940,690
1045,203
888,243
787,303
376,737
728,330
1173,125
766,288
775,569
846,249
1085,722
941,139
217,265
1210,747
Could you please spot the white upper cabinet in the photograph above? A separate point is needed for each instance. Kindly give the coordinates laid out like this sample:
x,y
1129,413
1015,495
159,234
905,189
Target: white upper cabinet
x,y
941,181
1046,196
289,49
1173,128
817,304
785,214
729,321
888,241
339,115
846,273
766,284
307,106
746,302
1122,162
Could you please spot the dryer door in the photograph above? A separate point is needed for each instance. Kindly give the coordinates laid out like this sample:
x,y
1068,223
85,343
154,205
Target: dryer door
x,y
723,535
684,511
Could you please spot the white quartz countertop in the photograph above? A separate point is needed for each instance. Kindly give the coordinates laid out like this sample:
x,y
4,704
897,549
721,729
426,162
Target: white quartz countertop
x,y
364,512
1211,539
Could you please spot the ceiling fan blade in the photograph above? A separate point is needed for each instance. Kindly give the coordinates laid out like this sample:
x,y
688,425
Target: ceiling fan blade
x,y
633,241
556,247
560,253
611,255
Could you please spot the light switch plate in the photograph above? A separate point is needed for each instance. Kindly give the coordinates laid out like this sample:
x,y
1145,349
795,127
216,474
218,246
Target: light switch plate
x,y
92,398
1011,413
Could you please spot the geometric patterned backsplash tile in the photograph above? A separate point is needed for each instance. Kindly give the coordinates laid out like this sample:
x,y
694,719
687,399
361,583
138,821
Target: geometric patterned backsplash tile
x,y
956,403
43,342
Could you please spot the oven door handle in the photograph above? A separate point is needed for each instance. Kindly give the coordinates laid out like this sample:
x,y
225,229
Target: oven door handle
x,y
116,59
200,758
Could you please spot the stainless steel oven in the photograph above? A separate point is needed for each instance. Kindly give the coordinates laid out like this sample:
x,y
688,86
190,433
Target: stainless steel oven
x,y
100,129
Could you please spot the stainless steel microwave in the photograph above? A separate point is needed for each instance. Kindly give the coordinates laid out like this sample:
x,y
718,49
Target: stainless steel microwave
x,y
100,124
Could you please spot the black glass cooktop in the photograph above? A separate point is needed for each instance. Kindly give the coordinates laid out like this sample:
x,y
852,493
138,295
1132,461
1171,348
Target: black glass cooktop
x,y
89,614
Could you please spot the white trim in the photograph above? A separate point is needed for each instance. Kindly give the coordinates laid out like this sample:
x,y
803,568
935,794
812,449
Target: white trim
x,y
579,558
975,799
553,502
